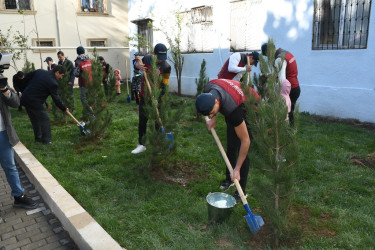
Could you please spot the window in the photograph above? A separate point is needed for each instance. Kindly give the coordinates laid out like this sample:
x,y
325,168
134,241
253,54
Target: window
x,y
197,30
144,36
17,4
98,43
341,24
245,30
44,42
98,6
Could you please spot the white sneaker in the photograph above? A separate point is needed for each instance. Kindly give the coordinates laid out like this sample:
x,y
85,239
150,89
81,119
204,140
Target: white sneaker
x,y
139,149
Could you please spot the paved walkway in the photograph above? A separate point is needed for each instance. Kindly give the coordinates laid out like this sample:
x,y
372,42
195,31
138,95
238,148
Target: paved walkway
x,y
29,229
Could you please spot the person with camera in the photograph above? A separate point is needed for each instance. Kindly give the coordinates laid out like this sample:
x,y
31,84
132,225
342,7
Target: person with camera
x,y
9,138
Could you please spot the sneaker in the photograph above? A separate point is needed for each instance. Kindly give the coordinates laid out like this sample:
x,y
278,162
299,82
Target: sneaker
x,y
25,202
237,196
226,184
139,149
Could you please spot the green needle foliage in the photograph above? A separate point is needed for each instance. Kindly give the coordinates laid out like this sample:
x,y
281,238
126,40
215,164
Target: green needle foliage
x,y
111,85
276,152
162,119
97,115
64,93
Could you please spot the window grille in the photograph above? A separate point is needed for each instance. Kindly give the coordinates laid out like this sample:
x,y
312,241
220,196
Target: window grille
x,y
92,6
341,24
197,30
245,29
17,4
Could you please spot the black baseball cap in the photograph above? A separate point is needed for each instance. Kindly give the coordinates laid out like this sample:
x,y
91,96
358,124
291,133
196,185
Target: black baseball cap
x,y
205,103
255,57
161,51
48,59
101,58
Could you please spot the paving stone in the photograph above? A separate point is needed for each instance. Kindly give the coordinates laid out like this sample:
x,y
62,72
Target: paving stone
x,y
28,229
35,245
13,233
36,210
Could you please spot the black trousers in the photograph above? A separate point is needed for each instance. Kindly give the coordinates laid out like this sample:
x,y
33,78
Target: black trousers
x,y
142,122
294,94
41,124
233,149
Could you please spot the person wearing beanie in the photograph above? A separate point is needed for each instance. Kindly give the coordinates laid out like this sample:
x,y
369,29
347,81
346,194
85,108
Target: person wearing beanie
x,y
83,71
237,65
226,97
164,69
288,71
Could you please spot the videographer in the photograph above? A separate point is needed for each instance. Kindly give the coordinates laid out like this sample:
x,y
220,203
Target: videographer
x,y
9,138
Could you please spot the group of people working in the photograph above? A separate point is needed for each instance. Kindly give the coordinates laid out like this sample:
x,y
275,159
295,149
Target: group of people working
x,y
222,95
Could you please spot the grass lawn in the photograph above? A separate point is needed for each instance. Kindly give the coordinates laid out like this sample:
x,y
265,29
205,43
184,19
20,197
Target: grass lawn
x,y
144,208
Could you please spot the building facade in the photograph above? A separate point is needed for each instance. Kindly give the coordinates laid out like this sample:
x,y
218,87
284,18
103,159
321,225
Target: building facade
x,y
64,25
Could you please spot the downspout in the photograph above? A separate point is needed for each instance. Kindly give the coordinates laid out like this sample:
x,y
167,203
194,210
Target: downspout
x,y
58,25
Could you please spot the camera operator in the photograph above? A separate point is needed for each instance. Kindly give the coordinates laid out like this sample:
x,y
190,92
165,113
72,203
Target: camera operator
x,y
9,138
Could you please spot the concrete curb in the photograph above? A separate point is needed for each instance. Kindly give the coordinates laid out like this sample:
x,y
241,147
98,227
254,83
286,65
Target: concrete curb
x,y
82,228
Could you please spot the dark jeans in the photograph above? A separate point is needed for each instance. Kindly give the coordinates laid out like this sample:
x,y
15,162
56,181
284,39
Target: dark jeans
x,y
41,124
142,122
294,94
233,149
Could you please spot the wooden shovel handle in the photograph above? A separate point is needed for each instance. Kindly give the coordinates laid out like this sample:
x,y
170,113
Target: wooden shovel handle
x,y
229,166
126,75
70,114
149,90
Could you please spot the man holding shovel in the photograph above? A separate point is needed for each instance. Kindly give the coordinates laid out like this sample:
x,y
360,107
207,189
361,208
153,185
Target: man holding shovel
x,y
227,97
42,83
164,69
237,65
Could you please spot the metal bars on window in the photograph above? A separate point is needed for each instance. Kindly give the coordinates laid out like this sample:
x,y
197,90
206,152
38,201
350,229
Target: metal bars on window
x,y
17,4
341,24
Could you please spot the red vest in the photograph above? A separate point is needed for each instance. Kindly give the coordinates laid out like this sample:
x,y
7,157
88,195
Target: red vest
x,y
225,74
233,88
85,69
291,67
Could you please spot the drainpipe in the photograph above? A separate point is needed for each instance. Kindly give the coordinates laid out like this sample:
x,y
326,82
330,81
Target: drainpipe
x,y
58,25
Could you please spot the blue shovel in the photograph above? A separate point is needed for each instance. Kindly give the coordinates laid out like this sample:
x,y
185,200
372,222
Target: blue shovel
x,y
254,221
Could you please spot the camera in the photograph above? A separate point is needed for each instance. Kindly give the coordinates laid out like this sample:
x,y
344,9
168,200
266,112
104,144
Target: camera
x,y
5,59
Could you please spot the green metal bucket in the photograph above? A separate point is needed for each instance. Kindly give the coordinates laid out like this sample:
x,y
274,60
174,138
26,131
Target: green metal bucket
x,y
220,206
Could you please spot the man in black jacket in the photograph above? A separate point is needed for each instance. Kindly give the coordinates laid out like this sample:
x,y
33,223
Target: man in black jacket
x,y
42,83
19,85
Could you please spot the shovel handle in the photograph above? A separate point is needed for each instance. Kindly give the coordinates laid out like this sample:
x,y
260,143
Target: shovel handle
x,y
227,162
149,90
126,76
70,114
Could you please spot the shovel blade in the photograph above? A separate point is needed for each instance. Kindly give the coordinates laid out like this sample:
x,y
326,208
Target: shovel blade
x,y
128,99
255,222
169,137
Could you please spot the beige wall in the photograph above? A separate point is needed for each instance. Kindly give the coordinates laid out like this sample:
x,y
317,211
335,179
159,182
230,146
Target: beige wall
x,y
62,28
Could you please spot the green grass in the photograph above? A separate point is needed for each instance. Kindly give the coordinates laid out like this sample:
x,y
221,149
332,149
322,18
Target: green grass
x,y
139,212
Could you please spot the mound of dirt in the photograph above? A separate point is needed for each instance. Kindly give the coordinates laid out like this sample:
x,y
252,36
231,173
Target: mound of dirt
x,y
352,122
368,162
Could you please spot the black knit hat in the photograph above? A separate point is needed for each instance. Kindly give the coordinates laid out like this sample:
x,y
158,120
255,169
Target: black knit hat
x,y
80,50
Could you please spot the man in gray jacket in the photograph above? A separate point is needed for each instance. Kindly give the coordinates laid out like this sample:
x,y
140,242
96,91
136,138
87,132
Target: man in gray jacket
x,y
9,138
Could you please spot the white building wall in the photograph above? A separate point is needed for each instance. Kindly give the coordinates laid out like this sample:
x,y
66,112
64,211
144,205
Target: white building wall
x,y
63,27
338,83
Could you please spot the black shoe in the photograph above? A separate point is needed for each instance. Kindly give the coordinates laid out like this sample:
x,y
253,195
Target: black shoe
x,y
47,142
1,220
237,196
25,202
226,184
